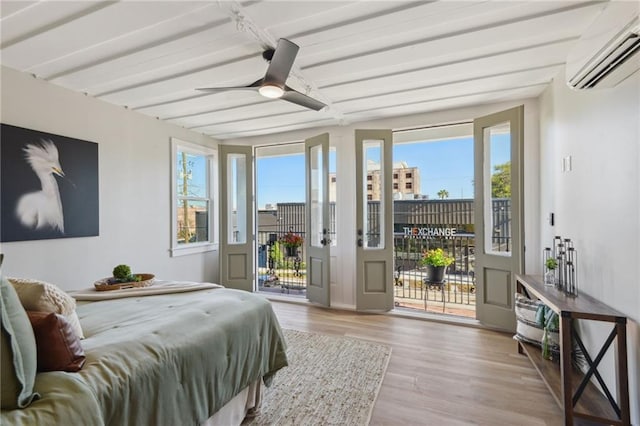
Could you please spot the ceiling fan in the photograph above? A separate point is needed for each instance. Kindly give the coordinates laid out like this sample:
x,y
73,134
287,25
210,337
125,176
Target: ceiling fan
x,y
273,84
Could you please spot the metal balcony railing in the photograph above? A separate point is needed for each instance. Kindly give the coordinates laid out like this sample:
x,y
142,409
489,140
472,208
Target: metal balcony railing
x,y
412,289
280,271
281,268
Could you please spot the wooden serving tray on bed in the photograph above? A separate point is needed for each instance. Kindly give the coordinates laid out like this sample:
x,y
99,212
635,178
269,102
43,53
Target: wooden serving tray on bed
x,y
103,284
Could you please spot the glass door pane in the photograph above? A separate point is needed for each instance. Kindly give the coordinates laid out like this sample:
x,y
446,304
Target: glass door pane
x,y
497,194
333,236
236,198
373,192
316,196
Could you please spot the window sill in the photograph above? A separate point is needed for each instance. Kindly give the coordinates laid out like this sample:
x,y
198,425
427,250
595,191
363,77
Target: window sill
x,y
193,249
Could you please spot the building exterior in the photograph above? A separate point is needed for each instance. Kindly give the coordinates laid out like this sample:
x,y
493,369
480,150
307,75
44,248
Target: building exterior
x,y
451,213
406,182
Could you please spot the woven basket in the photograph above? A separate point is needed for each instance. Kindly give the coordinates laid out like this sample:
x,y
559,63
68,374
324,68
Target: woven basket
x,y
103,284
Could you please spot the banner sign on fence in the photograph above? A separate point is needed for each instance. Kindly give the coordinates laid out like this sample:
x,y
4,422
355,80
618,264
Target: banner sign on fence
x,y
428,232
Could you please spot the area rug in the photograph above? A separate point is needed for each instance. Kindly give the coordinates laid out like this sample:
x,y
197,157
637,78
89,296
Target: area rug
x,y
330,380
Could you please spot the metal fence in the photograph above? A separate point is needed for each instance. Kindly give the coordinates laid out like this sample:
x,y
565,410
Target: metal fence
x,y
284,271
411,277
280,268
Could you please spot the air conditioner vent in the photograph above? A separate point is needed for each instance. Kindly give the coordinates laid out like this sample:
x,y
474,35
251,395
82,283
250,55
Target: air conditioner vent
x,y
608,52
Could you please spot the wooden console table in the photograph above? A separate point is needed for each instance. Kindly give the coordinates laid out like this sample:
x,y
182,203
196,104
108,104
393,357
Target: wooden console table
x,y
572,389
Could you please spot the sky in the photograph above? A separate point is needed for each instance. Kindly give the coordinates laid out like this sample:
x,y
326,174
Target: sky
x,y
446,164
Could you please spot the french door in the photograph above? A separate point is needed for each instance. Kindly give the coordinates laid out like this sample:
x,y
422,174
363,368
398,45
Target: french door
x,y
236,217
317,219
374,220
498,214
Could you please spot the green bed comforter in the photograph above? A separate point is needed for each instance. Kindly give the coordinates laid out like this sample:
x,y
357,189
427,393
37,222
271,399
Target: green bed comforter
x,y
163,360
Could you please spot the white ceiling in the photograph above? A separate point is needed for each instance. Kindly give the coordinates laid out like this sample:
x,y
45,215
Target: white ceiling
x,y
365,59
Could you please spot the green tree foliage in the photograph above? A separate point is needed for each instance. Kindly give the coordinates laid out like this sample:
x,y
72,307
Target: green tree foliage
x,y
443,193
277,255
501,181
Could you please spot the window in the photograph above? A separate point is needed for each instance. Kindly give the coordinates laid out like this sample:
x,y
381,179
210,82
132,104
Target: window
x,y
408,185
193,217
369,197
369,177
395,176
407,175
369,187
395,185
333,179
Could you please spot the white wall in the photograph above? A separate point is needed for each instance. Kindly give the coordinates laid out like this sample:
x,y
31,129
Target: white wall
x,y
342,138
134,172
597,204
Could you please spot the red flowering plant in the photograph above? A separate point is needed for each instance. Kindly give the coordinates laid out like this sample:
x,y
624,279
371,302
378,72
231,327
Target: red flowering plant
x,y
291,240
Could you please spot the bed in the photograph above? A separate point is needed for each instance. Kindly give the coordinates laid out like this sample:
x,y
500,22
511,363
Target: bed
x,y
190,358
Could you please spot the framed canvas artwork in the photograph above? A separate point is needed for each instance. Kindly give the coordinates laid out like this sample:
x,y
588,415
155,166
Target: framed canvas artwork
x,y
48,186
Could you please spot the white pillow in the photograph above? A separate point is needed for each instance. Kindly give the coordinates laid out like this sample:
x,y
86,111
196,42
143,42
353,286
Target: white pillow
x,y
42,296
74,322
527,328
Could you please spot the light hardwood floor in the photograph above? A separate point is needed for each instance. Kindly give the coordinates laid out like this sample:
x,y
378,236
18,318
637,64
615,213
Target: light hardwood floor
x,y
439,374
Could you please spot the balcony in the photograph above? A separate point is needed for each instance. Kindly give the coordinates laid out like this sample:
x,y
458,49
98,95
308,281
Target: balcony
x,y
281,272
457,296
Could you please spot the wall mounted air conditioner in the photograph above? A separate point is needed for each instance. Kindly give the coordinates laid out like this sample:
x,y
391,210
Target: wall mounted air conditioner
x,y
609,50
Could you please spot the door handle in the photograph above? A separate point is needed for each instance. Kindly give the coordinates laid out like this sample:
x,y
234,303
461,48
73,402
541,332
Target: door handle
x,y
359,242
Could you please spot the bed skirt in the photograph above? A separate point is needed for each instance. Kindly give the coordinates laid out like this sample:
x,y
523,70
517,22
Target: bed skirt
x,y
246,403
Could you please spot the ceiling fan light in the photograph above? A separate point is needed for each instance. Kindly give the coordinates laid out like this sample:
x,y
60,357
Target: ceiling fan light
x,y
271,91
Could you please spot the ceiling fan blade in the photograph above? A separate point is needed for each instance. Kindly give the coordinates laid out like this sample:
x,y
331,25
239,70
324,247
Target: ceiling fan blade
x,y
253,86
281,63
298,98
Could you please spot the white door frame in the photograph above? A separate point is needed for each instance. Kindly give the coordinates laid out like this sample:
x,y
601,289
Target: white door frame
x,y
237,252
374,253
317,219
495,268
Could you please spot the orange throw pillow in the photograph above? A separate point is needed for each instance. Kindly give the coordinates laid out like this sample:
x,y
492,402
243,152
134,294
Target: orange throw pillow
x,y
58,345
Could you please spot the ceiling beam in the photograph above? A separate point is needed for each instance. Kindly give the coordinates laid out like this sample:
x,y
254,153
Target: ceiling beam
x,y
91,8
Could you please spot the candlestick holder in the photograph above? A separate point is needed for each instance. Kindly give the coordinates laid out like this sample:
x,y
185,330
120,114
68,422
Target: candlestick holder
x,y
560,265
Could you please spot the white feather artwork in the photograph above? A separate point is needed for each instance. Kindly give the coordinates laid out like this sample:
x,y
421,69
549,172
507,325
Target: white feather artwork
x,y
40,209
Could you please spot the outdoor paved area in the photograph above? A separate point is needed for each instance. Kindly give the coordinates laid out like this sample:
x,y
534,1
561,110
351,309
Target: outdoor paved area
x,y
455,291
458,309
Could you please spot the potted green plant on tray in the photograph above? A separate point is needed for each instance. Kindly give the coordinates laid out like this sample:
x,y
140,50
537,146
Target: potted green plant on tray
x,y
123,278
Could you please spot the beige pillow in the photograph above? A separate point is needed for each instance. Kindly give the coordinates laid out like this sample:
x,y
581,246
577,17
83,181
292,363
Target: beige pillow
x,y
42,296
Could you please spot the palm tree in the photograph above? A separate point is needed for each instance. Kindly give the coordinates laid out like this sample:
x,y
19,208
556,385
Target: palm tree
x,y
443,193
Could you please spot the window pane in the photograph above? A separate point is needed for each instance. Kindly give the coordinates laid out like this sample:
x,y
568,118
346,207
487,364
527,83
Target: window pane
x,y
373,211
497,141
193,221
316,196
191,175
237,199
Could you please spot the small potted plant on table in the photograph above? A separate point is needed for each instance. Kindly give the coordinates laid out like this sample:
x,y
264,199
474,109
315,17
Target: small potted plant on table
x,y
550,275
